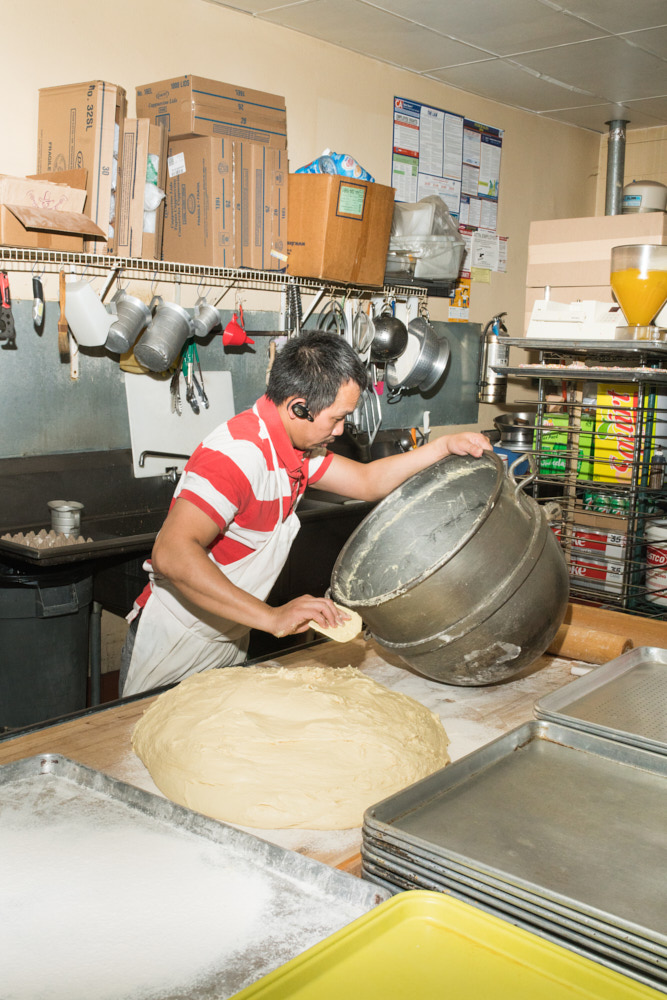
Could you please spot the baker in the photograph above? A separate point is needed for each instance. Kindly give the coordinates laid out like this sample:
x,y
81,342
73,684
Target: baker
x,y
233,517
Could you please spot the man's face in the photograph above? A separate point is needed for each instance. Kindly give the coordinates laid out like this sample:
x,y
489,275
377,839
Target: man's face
x,y
328,424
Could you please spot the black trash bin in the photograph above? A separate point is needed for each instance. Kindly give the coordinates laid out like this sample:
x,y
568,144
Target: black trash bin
x,y
43,645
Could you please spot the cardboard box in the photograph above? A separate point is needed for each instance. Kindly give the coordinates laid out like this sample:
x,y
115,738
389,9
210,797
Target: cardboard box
x,y
81,126
193,105
554,458
616,446
573,256
598,574
577,252
46,214
263,188
221,195
338,228
141,139
200,225
278,201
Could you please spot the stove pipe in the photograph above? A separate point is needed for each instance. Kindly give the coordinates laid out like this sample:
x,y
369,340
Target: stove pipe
x,y
615,166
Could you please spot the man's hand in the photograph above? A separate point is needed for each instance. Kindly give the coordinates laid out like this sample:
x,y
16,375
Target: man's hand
x,y
294,617
467,443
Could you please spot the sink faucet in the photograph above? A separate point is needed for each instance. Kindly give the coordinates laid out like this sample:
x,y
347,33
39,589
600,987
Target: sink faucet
x,y
158,454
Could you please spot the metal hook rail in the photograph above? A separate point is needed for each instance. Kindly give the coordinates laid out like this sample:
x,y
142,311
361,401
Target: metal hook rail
x,y
24,259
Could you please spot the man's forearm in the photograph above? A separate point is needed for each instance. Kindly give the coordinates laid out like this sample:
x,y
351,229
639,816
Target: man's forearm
x,y
374,480
187,567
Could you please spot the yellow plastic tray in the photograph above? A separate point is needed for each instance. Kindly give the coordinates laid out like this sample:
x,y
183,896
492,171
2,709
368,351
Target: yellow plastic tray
x,y
420,945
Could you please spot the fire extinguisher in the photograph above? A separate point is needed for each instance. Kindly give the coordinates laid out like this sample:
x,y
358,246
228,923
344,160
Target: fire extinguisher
x,y
494,352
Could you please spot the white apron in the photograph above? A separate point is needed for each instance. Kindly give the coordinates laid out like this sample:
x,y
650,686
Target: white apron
x,y
175,638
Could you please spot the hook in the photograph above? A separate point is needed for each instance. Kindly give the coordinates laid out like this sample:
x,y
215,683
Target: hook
x,y
39,274
154,283
227,289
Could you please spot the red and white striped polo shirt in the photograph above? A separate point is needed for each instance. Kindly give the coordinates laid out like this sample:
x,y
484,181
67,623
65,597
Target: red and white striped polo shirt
x,y
247,477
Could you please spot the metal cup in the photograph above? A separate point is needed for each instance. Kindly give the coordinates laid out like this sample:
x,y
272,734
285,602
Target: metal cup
x,y
162,341
132,316
66,516
206,319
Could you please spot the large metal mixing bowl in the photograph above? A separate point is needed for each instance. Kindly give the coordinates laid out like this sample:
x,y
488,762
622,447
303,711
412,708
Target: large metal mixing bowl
x,y
458,572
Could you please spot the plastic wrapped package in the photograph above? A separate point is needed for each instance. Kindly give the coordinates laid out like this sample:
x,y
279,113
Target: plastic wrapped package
x,y
153,195
425,242
336,163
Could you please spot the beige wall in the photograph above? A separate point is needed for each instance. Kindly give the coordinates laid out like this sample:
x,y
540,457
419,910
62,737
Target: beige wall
x,y
334,98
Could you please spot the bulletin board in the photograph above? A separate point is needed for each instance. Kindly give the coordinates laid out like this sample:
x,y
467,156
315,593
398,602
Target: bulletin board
x,y
437,152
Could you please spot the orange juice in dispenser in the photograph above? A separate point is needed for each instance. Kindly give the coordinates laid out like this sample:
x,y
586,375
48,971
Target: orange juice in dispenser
x,y
639,284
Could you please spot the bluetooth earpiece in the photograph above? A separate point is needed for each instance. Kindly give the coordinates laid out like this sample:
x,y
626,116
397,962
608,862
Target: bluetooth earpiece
x,y
301,411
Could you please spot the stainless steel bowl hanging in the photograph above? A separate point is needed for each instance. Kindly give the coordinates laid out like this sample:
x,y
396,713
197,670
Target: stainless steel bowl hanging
x,y
422,363
457,572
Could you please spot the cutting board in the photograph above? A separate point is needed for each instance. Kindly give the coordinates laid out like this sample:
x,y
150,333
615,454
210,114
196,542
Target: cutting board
x,y
154,427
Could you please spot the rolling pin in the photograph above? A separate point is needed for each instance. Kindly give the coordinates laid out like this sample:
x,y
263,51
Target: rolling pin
x,y
577,643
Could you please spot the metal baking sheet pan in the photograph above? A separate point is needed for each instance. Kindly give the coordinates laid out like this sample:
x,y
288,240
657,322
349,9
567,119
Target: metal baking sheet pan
x,y
561,813
625,699
608,944
618,345
507,909
585,374
111,892
397,884
412,855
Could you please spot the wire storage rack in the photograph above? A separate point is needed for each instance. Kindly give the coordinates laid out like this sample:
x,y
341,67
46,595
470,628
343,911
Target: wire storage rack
x,y
600,431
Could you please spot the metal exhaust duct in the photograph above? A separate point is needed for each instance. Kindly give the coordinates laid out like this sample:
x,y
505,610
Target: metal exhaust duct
x,y
615,166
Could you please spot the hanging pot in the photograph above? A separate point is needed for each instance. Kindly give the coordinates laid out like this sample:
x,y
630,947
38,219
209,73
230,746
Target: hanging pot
x,y
424,360
390,338
458,572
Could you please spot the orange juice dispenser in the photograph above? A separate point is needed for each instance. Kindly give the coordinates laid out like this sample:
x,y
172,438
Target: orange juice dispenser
x,y
639,283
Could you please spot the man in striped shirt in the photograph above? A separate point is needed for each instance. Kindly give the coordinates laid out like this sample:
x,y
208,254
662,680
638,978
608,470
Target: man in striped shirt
x,y
233,517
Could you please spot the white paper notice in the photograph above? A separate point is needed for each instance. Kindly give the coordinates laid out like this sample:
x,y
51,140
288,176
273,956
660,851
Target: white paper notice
x,y
404,177
431,141
472,143
489,168
453,154
488,214
448,190
485,251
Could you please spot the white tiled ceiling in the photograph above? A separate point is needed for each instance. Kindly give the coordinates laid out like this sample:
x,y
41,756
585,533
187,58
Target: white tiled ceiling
x,y
583,62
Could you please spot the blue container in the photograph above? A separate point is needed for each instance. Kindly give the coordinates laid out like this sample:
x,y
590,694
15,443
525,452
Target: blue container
x,y
512,456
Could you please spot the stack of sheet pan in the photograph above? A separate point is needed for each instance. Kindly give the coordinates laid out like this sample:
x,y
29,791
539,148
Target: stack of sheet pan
x,y
560,831
624,700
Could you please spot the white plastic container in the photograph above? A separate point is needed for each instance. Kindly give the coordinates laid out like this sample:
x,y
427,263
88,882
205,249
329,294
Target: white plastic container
x,y
656,563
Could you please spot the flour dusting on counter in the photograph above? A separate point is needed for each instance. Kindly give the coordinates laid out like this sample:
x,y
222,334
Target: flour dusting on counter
x,y
102,901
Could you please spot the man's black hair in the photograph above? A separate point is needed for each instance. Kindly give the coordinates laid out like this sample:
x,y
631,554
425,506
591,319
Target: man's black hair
x,y
314,366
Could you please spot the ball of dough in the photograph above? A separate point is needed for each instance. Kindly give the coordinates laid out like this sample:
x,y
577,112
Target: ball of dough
x,y
279,747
